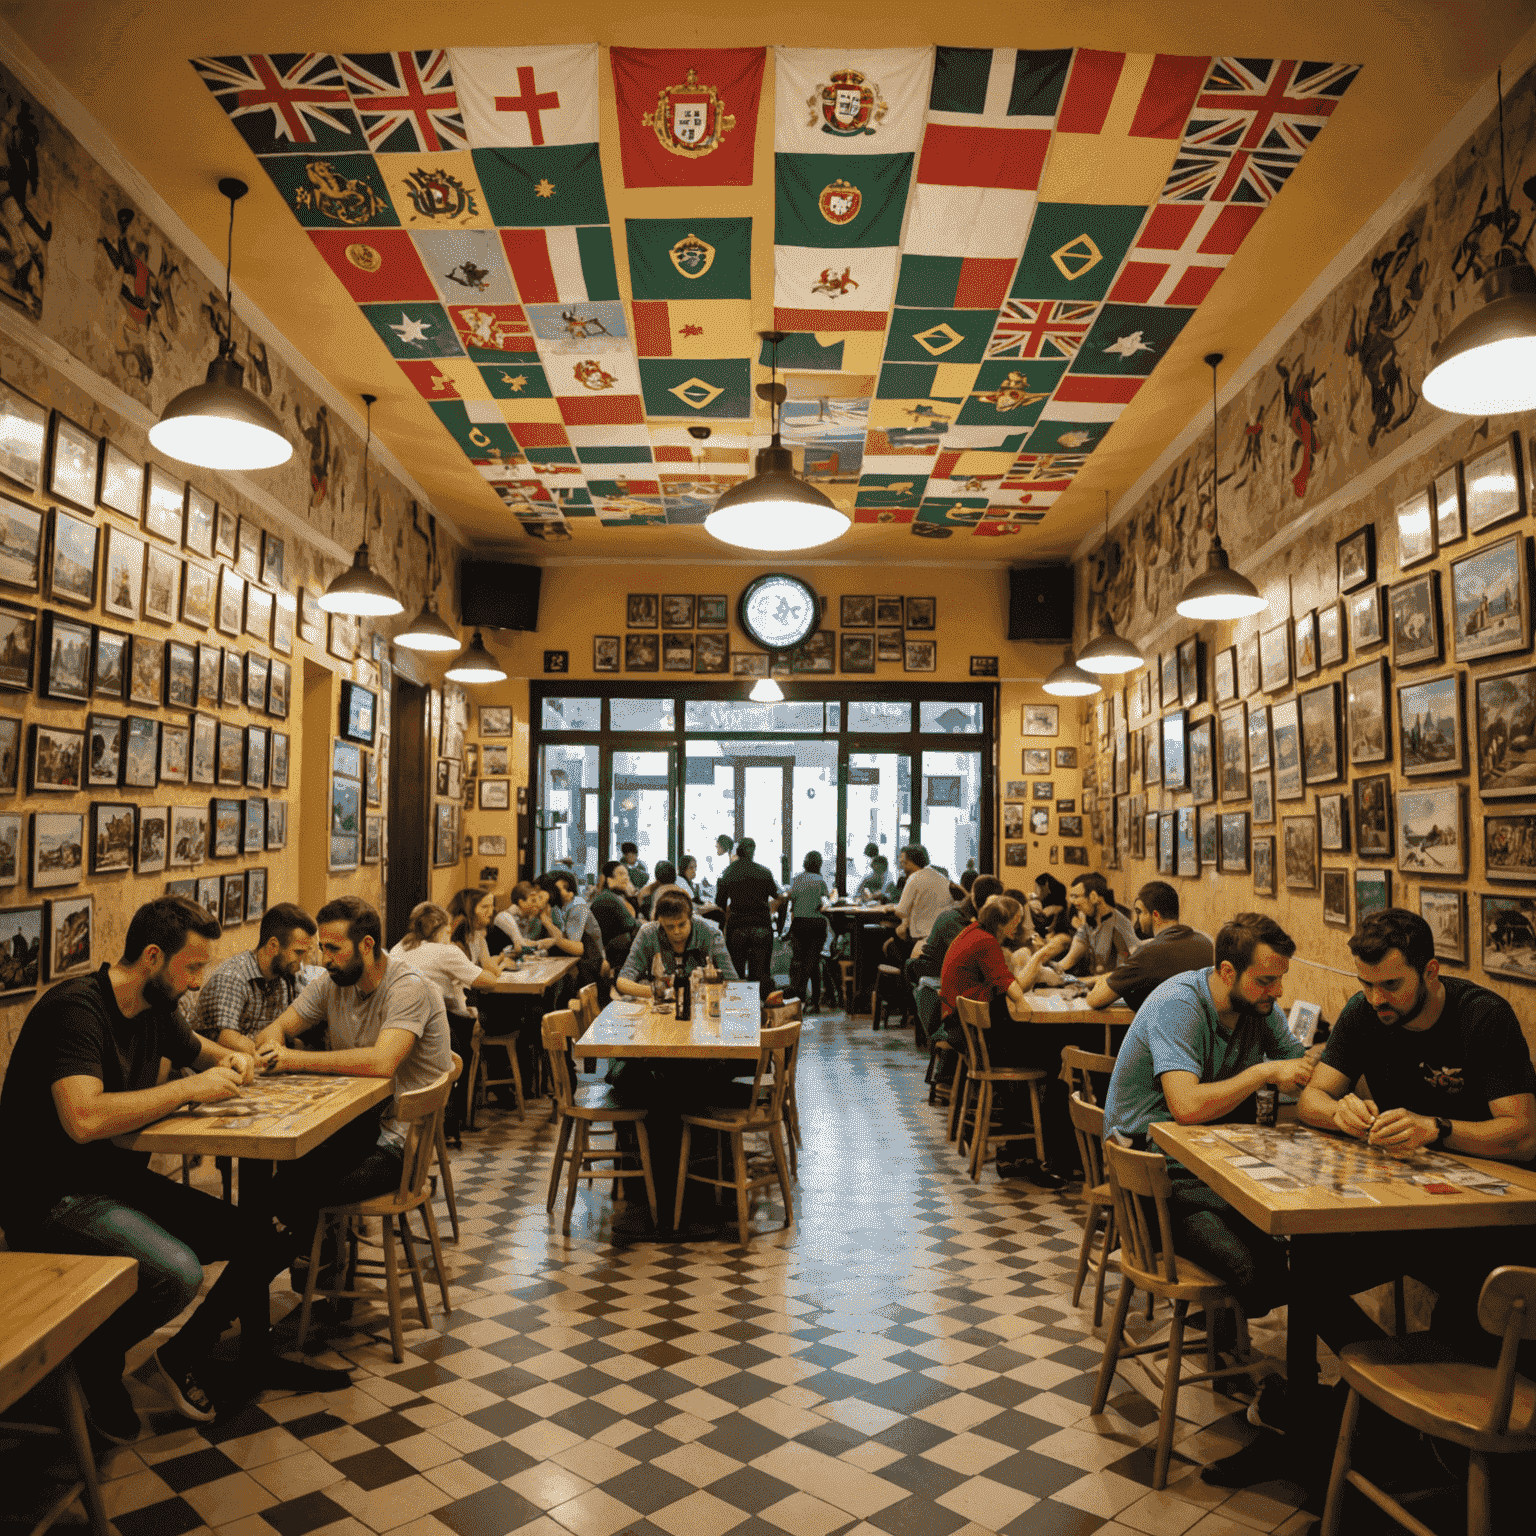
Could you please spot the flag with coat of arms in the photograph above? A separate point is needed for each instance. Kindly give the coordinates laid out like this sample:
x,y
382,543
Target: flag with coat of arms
x,y
687,116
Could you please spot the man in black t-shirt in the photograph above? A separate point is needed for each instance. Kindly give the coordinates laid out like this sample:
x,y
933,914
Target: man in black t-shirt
x,y
749,896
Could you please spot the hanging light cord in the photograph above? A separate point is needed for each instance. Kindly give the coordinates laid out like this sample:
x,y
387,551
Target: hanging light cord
x,y
1215,462
227,347
367,453
1503,185
773,398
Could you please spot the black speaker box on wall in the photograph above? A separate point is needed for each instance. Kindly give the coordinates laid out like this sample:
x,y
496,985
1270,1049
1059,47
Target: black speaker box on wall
x,y
496,594
1039,603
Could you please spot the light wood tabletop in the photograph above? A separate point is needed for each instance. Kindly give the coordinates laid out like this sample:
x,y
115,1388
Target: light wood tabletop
x,y
627,1027
1052,1007
54,1301
535,976
275,1119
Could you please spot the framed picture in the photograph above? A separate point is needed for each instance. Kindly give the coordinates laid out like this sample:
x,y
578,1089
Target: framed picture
x,y
255,895
357,710
1248,666
162,585
21,542
1175,757
232,686
1505,707
189,836
277,825
274,553
676,611
1264,799
164,504
122,587
122,482
711,654
1224,674
890,611
642,653
1495,488
373,792
1491,601
67,649
1300,845
208,890
22,970
231,757
1417,539
1429,726
1040,821
677,653
103,750
58,849
1233,856
112,838
1330,635
1322,758
175,751
72,561
23,438
282,629
749,664
347,823
56,760
642,610
714,611
341,635
1258,736
1373,816
1187,858
1432,830
1357,559
858,651
201,515
154,840
1044,790
983,666
1013,820
497,761
857,612
373,838
347,761
1415,609
922,655
141,752
1305,628
210,673
1275,658
1191,673
1209,837
1333,823
257,672
1366,710
198,595
1202,760
1232,752
1037,760
109,664
1264,866
890,645
1165,843
229,619
18,646
204,765
254,827
921,613
10,754
1066,757
605,653
1509,846
495,795
1450,521
277,760
1366,627
1152,755
258,613
1373,892
71,925
279,679
1016,855
255,757
1446,913
248,550
1041,720
232,900
445,834
1336,898
1285,727
225,817
74,463
495,720
180,675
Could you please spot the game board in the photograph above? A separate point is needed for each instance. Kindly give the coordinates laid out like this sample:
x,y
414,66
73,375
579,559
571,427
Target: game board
x,y
1289,1157
280,1101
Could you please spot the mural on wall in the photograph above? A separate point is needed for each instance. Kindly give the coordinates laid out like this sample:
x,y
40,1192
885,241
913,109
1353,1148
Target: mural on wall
x,y
26,203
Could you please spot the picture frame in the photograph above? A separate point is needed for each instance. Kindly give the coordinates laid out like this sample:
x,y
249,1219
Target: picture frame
x,y
1168,679
677,610
1275,658
1367,713
921,656
55,761
258,670
229,618
1187,852
495,795
258,613
749,664
210,675
180,675
113,837
341,634
1373,823
103,751
1039,821
373,788
1013,820
208,890
274,560
921,613
1304,628
1209,830
1336,898
1285,728
1066,757
1494,486
22,530
224,534
74,463
1430,733
714,611
199,589
1201,745
162,584
984,666
277,825
23,438
255,757
188,846
18,647
1367,627
109,664
1165,843
1331,648
175,751
1036,760
231,755
495,720
122,481
1417,531
1504,707
253,826
1232,752
445,834
66,648
1509,845
856,612
1491,600
164,504
605,653
232,900
10,754
248,549
1258,737
255,895
347,762
25,924
1414,606
232,679
1432,830
711,654
1248,666
200,518
1299,835
1041,720
1016,855
205,755
1356,557
677,652
1045,789
1450,500
58,849
890,645
347,823
1152,755
642,653
1322,756
1373,892
857,653
152,846
122,585
890,611
1191,673
1264,866
71,935
72,559
225,819
1175,757
1333,822
642,610
496,761
373,838
1446,913
279,686
1224,674
283,609
357,713
277,760
1233,854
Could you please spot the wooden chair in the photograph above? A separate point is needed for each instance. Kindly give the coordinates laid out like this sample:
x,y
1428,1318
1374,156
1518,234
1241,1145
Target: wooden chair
x,y
790,1013
420,1115
587,1007
886,995
443,1165
583,1111
941,1091
845,970
1078,1069
983,1078
481,1081
763,1114
1491,1410
1088,1126
1149,1263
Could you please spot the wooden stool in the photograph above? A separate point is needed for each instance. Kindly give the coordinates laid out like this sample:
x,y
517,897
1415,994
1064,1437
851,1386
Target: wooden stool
x,y
886,978
1088,1126
845,986
939,1091
975,1021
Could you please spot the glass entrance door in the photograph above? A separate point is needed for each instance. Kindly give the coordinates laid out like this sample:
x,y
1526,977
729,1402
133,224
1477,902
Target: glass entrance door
x,y
641,801
879,810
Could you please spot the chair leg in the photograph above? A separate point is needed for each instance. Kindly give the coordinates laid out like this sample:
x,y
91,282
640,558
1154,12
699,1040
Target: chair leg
x,y
682,1176
979,1133
437,1255
447,1173
739,1169
959,1086
80,1443
409,1244
310,1278
578,1156
1339,1477
392,1293
472,1097
1170,1397
1479,1497
776,1143
1112,1348
1037,1121
1090,1231
517,1078
562,1143
1104,1253
644,1143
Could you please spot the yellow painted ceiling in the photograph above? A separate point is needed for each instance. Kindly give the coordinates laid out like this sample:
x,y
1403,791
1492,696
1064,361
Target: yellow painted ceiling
x,y
127,62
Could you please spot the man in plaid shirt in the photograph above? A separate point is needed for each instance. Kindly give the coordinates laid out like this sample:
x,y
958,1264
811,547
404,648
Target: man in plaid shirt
x,y
249,990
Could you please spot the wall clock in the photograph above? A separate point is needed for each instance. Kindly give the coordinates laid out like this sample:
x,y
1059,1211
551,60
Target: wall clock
x,y
779,611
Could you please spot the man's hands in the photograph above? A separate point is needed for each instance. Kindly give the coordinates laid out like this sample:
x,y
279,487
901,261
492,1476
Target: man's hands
x,y
243,1062
1400,1131
211,1086
272,1057
1293,1076
1354,1116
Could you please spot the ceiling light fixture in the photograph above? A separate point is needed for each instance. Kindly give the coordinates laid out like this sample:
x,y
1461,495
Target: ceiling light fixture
x,y
475,664
219,424
1069,681
766,691
1486,366
1219,592
359,590
775,509
1109,653
428,632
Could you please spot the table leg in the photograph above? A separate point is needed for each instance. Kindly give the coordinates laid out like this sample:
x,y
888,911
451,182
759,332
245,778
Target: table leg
x,y
80,1440
1301,1330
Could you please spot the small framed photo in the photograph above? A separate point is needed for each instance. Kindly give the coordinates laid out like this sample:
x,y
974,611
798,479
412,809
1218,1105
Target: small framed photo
x,y
56,761
1429,726
122,481
1285,728
1373,816
141,752
1450,523
1491,600
1505,707
495,720
122,587
180,675
1202,760
1432,830
1040,821
1495,488
66,649
232,686
1336,898
1373,892
257,670
23,439
857,651
255,895
642,653
162,585
112,838
749,664
58,848
1322,758
1224,674
1264,866
277,825
1069,826
103,750
1042,720
18,646
341,635
557,661
1366,627
677,611
1044,789
231,755
154,840
921,613
164,504
1066,757
229,619
642,610
255,757
922,655
109,668
21,543
273,560
10,754
210,672
72,565
1186,843
1275,658
74,465
1248,666
1165,843
890,611
198,595
175,751
201,514
357,712
278,687
1191,673
205,752
857,612
277,760
677,652
1208,826
1013,820
1168,679
258,613
1175,757
283,609
1300,843
71,925
347,824
1306,645
1416,529
496,761
605,653
495,795
1446,913
714,611
983,666
248,550
253,838
1037,760
189,836
232,900
347,763
1264,799
1233,853
1330,635
224,527
1333,823
208,894
1357,559
711,653
25,924
445,834
373,838
1415,607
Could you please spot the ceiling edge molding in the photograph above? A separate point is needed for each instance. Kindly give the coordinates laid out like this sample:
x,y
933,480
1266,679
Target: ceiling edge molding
x,y
787,559
1436,156
94,139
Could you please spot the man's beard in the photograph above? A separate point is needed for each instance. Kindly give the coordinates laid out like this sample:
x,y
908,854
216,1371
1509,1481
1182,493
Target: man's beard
x,y
348,977
1408,1015
1141,933
159,991
1255,1011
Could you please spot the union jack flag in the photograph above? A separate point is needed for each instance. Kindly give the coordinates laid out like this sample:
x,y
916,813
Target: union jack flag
x,y
303,94
1044,328
406,101
1251,124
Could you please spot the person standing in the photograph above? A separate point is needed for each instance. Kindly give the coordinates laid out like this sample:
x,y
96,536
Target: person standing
x,y
749,895
808,894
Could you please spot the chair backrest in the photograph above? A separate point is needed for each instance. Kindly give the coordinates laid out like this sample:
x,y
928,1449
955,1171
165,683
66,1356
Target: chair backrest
x,y
559,1029
1088,1127
975,1021
784,1013
588,999
1507,1306
1077,1068
1137,1180
777,1049
420,1114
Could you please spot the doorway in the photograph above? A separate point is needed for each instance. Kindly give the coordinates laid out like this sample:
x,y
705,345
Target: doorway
x,y
407,878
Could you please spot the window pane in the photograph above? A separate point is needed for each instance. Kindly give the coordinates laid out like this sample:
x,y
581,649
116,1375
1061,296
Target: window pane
x,y
834,718
642,805
566,825
743,715
951,820
878,717
949,718
879,808
641,714
572,714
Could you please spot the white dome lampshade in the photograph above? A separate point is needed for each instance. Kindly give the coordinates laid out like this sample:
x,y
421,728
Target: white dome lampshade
x,y
775,510
1070,681
427,632
475,664
1110,654
766,691
1487,365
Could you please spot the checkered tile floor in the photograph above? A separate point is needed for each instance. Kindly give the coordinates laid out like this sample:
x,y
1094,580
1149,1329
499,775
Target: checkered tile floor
x,y
903,1361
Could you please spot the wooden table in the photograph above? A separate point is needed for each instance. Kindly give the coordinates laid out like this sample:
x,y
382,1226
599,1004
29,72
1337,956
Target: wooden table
x,y
534,976
628,1028
1054,1007
1307,1212
856,920
53,1303
275,1119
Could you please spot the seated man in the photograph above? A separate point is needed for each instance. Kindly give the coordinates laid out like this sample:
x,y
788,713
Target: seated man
x,y
676,941
568,921
87,1067
639,874
243,994
924,894
1168,948
877,884
1104,937
615,915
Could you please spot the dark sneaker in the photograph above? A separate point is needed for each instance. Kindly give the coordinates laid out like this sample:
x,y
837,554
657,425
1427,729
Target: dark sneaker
x,y
180,1383
1261,1462
1268,1409
110,1412
1226,1335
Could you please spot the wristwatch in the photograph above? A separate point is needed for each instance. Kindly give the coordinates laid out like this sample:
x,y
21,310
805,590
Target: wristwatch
x,y
1442,1131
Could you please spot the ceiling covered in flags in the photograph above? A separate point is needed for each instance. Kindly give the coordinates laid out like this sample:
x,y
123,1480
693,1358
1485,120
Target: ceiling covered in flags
x,y
996,267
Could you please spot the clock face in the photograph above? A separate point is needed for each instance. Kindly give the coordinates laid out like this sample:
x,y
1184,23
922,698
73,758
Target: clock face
x,y
779,612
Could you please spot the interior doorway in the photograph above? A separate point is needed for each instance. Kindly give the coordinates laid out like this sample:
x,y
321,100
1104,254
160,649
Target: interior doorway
x,y
407,875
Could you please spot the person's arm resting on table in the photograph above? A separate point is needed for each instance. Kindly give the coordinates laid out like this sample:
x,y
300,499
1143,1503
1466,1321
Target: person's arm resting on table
x,y
381,1059
89,1113
1192,1102
1101,994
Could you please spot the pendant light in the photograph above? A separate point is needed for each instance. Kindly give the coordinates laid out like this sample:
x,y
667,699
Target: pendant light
x,y
1486,366
359,590
1109,653
1069,681
775,509
1219,592
219,424
766,691
475,664
427,632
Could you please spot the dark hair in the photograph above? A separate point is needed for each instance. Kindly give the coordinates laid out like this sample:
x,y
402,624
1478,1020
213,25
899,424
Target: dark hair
x,y
550,883
684,862
871,849
967,880
1394,928
1160,897
666,872
281,920
1050,890
812,862
361,919
997,914
165,922
917,853
629,848
1011,891
521,892
1242,935
609,865
879,860
746,848
730,842
984,888
1094,884
673,904
462,909
427,918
